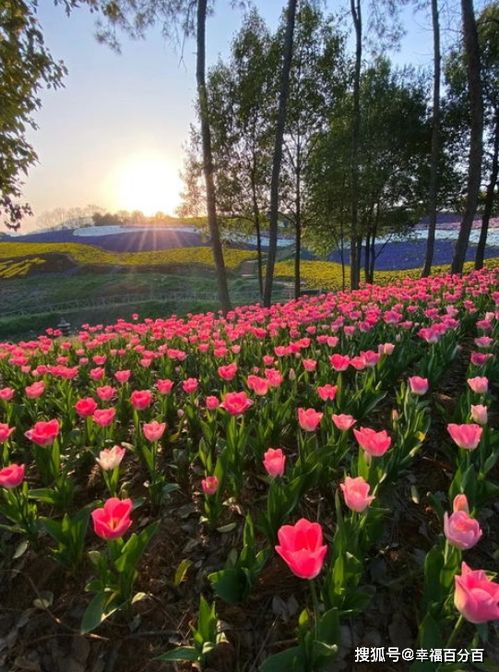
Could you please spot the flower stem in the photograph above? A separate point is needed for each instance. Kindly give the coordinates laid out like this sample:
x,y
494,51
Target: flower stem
x,y
453,634
315,602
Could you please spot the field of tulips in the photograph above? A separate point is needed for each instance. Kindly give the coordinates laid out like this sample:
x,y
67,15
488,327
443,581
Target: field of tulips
x,y
308,487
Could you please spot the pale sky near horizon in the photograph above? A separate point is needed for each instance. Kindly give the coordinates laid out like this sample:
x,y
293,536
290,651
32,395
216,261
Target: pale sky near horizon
x,y
113,135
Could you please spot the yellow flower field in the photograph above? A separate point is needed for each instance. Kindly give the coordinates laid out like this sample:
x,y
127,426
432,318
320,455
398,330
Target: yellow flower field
x,y
19,269
18,259
89,254
327,274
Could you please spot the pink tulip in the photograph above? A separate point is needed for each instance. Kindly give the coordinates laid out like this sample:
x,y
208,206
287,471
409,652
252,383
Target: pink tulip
x,y
461,530
5,431
374,443
371,358
476,597
164,386
210,485
327,392
190,385
43,433
484,341
11,476
86,407
122,376
97,374
212,403
259,386
36,390
343,421
479,414
339,362
309,419
301,548
386,348
113,519
106,392
479,384
274,462
141,399
236,403
309,364
274,376
227,372
418,385
153,431
110,458
465,436
358,363
104,416
356,493
6,393
480,358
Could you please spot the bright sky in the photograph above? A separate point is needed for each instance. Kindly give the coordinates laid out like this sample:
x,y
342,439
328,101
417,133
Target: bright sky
x,y
114,135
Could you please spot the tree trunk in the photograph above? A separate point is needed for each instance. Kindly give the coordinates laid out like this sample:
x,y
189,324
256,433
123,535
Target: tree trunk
x,y
342,253
256,218
373,258
435,141
355,6
277,160
223,290
489,197
472,54
358,252
374,233
298,226
367,256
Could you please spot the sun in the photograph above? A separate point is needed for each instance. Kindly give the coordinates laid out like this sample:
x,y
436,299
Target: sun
x,y
147,182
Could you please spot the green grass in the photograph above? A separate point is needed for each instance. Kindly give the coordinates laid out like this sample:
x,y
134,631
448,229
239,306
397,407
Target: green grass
x,y
46,298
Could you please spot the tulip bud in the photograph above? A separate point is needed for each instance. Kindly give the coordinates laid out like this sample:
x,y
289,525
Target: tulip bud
x,y
210,485
479,414
460,503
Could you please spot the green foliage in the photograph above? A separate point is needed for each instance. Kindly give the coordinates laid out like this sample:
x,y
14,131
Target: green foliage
x,y
205,637
25,66
116,575
234,583
69,533
394,150
318,645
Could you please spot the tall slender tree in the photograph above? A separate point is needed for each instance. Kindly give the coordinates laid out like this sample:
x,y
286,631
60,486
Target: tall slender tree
x,y
317,79
472,58
488,34
356,10
278,146
435,140
223,291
